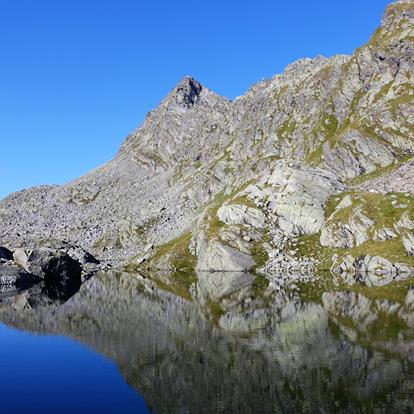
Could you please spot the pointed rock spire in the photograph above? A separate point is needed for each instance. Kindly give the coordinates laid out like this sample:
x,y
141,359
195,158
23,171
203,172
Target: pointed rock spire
x,y
187,93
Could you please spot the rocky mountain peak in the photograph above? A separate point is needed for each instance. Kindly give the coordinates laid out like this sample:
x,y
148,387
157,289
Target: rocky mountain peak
x,y
187,93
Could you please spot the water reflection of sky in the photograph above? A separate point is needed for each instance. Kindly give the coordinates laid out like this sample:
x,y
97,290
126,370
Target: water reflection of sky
x,y
52,374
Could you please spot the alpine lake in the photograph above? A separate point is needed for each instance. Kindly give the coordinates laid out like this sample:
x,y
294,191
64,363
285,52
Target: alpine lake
x,y
216,343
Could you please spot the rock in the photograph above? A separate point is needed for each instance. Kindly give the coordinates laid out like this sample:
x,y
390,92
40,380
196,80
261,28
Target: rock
x,y
62,274
370,270
81,255
188,92
5,253
408,242
295,195
38,259
384,233
345,202
13,275
233,236
20,258
353,231
241,214
220,257
405,228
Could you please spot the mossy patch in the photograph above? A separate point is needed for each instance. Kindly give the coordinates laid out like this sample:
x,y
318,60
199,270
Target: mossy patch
x,y
259,254
379,172
178,252
244,200
287,128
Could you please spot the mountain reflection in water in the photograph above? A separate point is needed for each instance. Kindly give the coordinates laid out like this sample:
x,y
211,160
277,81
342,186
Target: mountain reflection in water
x,y
236,347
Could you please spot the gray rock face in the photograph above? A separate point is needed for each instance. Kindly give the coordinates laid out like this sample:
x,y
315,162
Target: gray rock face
x,y
399,180
350,233
287,145
188,92
239,214
220,257
295,195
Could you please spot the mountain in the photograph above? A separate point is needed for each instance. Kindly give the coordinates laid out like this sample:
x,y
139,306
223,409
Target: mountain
x,y
311,169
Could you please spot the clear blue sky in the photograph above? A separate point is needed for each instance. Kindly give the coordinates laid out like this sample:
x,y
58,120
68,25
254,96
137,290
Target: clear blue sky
x,y
77,76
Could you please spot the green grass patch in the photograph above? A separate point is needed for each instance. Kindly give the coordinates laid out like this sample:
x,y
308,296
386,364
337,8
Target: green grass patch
x,y
379,172
177,249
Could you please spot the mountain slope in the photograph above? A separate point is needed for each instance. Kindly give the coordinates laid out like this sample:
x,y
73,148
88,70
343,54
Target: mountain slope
x,y
219,184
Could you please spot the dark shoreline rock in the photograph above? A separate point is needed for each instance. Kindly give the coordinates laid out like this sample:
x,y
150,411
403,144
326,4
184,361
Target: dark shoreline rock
x,y
59,268
5,253
13,275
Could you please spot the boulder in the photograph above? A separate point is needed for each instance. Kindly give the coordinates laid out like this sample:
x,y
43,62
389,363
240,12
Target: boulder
x,y
220,257
384,233
5,253
40,257
20,258
37,260
12,275
61,267
408,242
62,274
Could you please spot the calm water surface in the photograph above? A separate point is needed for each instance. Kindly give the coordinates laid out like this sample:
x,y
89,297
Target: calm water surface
x,y
226,343
52,374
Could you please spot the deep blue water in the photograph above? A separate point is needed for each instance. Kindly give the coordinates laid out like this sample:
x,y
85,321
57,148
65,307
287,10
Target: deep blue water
x,y
52,374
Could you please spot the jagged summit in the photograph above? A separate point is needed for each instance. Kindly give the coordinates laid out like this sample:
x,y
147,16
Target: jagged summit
x,y
187,92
